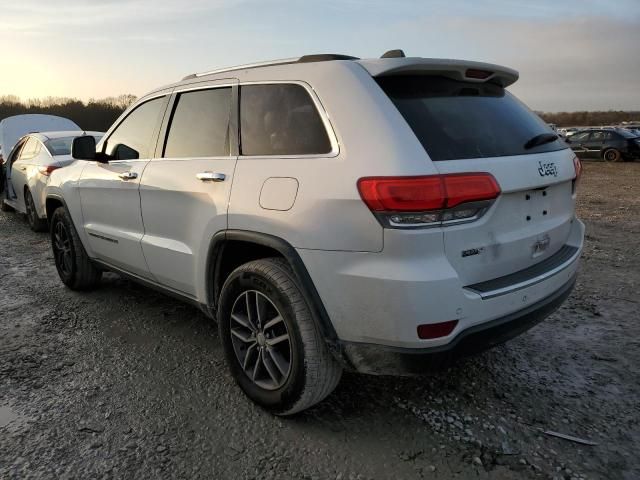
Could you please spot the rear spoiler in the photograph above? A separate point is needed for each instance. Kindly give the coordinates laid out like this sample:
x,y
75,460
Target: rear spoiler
x,y
464,70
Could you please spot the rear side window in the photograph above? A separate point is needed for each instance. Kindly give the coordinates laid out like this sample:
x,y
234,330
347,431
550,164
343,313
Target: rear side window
x,y
200,124
30,149
579,137
132,139
280,119
461,120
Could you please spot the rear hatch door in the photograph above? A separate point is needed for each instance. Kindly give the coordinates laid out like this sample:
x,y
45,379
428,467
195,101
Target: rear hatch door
x,y
471,126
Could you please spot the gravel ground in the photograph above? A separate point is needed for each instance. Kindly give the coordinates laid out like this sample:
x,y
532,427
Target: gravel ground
x,y
124,382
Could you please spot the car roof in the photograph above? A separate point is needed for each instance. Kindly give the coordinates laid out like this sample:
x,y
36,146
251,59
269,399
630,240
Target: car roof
x,y
388,65
44,136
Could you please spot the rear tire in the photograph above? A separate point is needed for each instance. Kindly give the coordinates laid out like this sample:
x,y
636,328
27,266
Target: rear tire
x,y
284,376
72,262
4,207
36,223
612,155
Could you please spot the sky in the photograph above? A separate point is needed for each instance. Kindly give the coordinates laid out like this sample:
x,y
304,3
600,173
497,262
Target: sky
x,y
571,54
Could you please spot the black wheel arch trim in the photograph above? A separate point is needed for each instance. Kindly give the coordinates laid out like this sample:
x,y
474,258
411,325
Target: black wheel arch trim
x,y
308,289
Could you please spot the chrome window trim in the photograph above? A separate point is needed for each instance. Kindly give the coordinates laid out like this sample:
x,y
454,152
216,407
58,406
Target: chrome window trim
x,y
107,135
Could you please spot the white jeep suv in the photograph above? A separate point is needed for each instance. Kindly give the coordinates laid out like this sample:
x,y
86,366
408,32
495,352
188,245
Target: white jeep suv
x,y
385,216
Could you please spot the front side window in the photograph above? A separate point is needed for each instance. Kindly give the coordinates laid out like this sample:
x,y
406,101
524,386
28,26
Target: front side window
x,y
280,119
200,124
133,137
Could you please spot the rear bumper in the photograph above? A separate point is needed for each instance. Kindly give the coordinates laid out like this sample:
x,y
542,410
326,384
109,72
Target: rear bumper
x,y
387,360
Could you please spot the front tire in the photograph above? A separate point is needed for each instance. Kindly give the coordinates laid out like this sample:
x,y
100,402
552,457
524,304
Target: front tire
x,y
36,223
72,262
273,347
612,155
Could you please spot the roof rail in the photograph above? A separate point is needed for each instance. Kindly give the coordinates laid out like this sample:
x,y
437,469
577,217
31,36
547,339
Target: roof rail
x,y
322,57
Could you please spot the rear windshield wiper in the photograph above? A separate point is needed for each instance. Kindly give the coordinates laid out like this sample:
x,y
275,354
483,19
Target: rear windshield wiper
x,y
540,140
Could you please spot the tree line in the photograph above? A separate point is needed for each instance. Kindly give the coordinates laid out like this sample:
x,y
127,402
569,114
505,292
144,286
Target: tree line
x,y
100,114
587,119
95,115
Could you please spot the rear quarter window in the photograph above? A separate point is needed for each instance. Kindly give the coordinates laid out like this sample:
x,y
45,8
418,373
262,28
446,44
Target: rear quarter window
x,y
280,119
461,120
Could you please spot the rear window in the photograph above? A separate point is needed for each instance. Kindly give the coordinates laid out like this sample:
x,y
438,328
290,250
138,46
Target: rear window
x,y
280,119
62,145
460,120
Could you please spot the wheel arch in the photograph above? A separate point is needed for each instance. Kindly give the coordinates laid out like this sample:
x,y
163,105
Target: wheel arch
x,y
52,202
229,242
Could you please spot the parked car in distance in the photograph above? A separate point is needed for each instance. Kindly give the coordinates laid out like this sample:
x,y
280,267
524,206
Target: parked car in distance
x,y
13,128
381,215
568,131
27,171
609,144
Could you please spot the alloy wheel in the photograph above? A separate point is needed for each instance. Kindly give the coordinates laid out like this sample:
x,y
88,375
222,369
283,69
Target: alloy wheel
x,y
62,248
31,209
260,340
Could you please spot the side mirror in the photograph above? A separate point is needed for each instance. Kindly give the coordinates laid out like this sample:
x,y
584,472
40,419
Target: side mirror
x,y
84,148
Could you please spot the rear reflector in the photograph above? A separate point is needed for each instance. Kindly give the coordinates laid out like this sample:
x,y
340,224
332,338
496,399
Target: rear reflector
x,y
422,194
436,330
478,74
47,169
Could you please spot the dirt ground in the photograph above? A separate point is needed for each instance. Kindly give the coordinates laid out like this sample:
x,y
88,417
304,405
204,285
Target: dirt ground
x,y
124,382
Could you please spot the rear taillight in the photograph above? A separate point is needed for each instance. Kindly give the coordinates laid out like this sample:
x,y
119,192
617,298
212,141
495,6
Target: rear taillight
x,y
577,166
431,200
47,169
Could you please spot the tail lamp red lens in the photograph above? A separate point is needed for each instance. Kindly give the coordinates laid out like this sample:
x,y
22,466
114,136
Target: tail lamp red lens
x,y
436,330
577,165
421,194
47,169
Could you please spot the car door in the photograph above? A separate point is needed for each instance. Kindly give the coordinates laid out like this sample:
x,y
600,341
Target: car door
x,y
595,143
577,142
184,192
109,193
14,154
19,171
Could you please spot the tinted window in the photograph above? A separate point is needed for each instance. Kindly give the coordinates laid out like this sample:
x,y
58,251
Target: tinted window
x,y
626,133
457,120
280,119
200,124
579,137
132,138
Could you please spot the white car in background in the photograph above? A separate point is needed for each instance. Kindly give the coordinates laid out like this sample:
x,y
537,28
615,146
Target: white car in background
x,y
27,171
13,128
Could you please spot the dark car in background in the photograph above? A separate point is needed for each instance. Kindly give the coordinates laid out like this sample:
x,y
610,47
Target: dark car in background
x,y
609,144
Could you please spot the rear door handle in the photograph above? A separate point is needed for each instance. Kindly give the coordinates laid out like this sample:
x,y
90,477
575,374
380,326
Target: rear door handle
x,y
210,177
128,175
